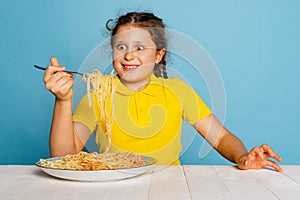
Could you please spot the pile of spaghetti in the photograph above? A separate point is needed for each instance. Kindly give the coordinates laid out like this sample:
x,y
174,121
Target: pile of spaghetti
x,y
95,161
103,86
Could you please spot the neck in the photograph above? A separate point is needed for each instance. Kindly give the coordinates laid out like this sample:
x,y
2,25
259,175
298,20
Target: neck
x,y
135,86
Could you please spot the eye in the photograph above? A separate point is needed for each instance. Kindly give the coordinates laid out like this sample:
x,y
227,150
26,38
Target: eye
x,y
140,47
121,47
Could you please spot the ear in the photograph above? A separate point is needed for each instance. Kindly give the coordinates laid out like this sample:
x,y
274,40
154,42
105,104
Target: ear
x,y
159,55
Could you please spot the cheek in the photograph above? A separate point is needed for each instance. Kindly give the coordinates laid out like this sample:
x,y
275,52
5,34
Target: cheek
x,y
116,62
117,66
116,56
148,58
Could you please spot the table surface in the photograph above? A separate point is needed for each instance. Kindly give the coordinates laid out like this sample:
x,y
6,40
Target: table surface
x,y
173,182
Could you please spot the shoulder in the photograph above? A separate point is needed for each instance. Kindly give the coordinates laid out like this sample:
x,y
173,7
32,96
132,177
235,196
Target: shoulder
x,y
170,82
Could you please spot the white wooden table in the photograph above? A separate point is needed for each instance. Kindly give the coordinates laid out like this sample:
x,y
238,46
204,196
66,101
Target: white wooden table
x,y
174,182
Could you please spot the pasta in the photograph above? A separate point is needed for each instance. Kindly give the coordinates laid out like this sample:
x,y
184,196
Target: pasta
x,y
102,85
95,161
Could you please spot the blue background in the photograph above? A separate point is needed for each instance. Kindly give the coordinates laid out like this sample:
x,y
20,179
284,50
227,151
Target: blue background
x,y
255,45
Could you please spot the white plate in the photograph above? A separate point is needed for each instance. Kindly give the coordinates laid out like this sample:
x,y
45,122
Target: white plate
x,y
98,175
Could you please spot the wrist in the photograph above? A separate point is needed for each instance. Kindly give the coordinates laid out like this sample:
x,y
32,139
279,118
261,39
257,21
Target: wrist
x,y
63,103
242,161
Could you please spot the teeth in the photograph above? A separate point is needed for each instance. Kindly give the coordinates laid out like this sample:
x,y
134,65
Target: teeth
x,y
130,66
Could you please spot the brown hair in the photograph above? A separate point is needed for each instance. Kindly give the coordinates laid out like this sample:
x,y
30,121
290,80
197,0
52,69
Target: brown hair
x,y
153,25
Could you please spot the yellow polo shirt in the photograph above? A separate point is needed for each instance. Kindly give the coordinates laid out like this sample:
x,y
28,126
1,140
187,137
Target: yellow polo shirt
x,y
148,122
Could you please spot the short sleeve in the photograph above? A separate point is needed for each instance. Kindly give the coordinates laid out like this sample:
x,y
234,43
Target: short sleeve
x,y
193,107
86,114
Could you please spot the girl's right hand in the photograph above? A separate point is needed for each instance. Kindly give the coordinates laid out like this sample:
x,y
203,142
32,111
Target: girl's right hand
x,y
58,82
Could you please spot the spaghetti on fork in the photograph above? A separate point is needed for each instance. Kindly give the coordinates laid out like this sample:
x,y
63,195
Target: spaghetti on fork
x,y
102,85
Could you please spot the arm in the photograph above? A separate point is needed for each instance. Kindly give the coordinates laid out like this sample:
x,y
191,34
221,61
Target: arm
x,y
64,138
232,147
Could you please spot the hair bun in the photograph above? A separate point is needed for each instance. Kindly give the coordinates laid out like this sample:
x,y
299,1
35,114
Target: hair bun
x,y
108,26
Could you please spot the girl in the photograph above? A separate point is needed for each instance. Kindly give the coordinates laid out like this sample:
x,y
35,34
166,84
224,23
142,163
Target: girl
x,y
147,109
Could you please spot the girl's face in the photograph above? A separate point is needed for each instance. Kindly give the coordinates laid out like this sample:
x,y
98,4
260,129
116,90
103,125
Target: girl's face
x,y
134,56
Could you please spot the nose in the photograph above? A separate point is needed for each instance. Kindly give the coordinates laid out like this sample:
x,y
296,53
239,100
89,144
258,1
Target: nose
x,y
130,55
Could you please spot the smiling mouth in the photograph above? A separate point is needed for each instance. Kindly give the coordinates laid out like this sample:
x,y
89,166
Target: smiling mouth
x,y
129,67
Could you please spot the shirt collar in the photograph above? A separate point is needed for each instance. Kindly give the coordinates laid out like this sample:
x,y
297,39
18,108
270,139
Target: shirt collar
x,y
148,90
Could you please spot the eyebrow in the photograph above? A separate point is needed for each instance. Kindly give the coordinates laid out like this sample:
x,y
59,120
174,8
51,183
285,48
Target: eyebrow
x,y
121,41
146,44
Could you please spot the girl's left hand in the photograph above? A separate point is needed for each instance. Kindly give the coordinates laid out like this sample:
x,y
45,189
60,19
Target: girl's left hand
x,y
257,158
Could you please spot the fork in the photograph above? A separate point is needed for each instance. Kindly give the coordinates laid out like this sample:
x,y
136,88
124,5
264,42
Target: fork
x,y
44,68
